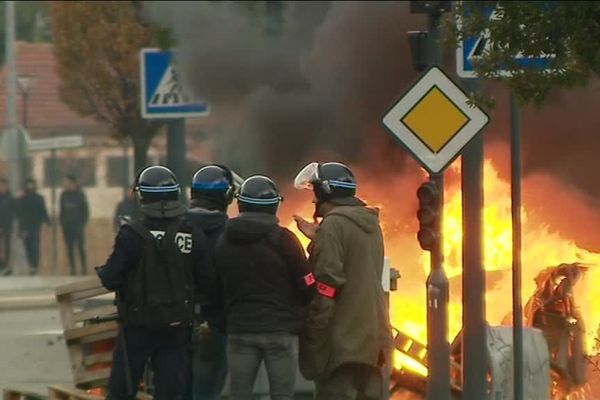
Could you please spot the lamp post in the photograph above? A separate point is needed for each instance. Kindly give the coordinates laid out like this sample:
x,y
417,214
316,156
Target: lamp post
x,y
25,82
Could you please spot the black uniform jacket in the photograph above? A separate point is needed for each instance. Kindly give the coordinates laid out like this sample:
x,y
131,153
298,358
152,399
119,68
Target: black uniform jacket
x,y
128,251
264,276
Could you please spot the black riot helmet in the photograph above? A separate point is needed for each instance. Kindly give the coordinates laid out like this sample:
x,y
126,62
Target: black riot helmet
x,y
330,181
213,186
259,194
159,192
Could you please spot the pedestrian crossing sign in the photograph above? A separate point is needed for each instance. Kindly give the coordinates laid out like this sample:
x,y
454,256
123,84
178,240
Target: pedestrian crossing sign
x,y
162,92
470,48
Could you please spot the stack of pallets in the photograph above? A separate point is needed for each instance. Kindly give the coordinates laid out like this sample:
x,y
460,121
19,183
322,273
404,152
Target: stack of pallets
x,y
84,307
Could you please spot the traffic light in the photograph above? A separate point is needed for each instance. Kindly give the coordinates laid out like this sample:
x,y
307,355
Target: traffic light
x,y
429,215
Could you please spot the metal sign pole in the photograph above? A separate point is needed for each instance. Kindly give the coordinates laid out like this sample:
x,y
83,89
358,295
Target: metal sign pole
x,y
438,355
473,279
54,216
515,157
438,385
176,149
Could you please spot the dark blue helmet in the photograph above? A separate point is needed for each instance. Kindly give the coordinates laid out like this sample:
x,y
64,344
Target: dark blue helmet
x,y
214,183
259,194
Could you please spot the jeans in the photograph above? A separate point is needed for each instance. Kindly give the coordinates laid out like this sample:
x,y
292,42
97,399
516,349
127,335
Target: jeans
x,y
351,382
31,241
245,353
5,236
168,351
75,238
209,365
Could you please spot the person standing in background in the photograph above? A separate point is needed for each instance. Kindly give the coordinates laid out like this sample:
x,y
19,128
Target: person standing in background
x,y
126,209
7,216
32,213
74,215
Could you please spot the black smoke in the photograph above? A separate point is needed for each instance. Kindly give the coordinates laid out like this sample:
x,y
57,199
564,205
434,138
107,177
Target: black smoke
x,y
314,79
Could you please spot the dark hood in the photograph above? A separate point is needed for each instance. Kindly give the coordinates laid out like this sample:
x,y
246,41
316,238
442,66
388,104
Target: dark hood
x,y
207,220
250,227
163,209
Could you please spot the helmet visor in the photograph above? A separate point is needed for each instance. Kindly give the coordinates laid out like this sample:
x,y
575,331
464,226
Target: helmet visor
x,y
307,176
237,180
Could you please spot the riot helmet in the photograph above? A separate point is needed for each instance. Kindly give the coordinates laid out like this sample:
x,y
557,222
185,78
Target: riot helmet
x,y
213,186
259,194
330,181
159,193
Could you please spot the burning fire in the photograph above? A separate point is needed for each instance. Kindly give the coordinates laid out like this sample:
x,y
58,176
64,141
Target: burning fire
x,y
542,247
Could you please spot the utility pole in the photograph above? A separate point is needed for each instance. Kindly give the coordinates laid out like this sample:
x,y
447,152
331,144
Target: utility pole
x,y
176,150
515,154
473,279
13,147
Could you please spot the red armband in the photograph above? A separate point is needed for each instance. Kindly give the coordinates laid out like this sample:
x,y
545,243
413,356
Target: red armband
x,y
326,290
309,279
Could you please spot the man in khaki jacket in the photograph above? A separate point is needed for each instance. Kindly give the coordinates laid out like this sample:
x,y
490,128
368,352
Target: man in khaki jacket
x,y
347,336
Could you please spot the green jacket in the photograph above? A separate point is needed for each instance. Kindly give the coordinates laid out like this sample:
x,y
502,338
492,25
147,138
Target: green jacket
x,y
353,326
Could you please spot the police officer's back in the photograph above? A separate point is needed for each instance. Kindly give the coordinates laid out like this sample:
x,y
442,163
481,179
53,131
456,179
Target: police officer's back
x,y
265,283
212,192
157,266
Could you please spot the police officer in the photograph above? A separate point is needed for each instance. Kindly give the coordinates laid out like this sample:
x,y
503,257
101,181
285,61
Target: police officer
x,y
212,192
265,278
157,267
346,344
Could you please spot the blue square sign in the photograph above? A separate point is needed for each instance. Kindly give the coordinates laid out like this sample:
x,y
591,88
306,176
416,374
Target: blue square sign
x,y
162,94
472,47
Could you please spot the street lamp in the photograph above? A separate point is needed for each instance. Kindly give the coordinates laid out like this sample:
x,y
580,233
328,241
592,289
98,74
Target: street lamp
x,y
25,82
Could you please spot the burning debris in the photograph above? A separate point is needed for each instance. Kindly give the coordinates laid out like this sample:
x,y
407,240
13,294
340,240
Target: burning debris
x,y
552,309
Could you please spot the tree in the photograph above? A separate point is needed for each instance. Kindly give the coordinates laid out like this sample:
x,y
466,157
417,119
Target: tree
x,y
567,32
97,48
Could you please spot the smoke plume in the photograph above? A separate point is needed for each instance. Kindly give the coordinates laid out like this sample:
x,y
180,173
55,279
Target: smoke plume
x,y
289,81
314,78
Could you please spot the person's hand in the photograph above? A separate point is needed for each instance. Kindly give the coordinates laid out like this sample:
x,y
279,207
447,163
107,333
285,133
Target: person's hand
x,y
309,229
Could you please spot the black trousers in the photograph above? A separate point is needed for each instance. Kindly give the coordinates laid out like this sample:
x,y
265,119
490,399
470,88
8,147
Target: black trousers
x,y
31,241
5,233
75,239
169,352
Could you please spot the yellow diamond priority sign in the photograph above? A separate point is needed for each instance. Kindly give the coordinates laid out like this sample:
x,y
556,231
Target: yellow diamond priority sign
x,y
434,120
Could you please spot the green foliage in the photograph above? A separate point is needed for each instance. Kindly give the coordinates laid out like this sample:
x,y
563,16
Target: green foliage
x,y
97,46
567,30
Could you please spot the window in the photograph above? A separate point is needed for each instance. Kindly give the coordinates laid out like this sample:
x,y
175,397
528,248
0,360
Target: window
x,y
82,168
117,171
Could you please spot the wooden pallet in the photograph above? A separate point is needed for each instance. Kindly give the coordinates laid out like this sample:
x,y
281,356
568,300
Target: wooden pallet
x,y
18,394
418,352
89,344
61,392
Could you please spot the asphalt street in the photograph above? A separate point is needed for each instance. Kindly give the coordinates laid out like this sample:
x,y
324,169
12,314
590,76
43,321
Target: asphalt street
x,y
33,354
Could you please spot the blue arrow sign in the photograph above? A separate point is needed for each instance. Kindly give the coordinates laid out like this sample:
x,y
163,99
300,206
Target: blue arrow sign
x,y
162,94
475,46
